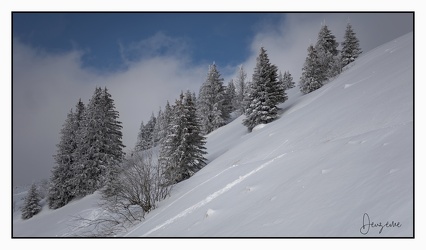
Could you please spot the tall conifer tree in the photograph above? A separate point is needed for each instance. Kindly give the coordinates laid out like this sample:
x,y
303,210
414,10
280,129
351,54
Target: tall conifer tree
x,y
182,152
100,148
241,88
212,102
265,93
350,46
311,78
326,49
31,205
63,183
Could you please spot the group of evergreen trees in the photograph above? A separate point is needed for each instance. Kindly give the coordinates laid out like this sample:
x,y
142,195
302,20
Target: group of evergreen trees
x,y
89,152
325,61
182,150
179,130
177,133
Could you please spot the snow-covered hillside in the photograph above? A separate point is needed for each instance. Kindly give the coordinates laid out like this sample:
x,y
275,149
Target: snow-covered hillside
x,y
338,158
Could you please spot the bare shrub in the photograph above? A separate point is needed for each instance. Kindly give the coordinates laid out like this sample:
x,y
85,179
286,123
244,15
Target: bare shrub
x,y
142,182
138,189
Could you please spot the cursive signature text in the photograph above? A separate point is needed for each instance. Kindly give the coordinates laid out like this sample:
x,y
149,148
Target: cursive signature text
x,y
367,224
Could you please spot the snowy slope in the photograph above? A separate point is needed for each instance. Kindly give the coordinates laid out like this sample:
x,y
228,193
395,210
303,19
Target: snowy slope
x,y
334,156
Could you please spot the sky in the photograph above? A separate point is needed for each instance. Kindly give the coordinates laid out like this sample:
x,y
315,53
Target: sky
x,y
146,59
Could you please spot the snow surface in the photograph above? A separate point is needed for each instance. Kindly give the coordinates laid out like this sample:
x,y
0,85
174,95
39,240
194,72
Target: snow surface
x,y
335,155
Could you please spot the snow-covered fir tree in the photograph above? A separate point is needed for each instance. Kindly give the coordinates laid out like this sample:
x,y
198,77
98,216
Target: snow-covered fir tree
x,y
59,193
350,46
241,88
282,85
63,183
311,72
146,135
326,49
230,97
31,205
140,139
114,154
100,148
150,126
156,134
182,152
287,80
211,103
164,122
265,93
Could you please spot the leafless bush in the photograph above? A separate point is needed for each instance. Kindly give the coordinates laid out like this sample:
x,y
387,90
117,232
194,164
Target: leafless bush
x,y
140,186
142,182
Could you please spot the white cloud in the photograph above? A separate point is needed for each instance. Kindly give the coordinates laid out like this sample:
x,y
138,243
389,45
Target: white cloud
x,y
46,86
159,44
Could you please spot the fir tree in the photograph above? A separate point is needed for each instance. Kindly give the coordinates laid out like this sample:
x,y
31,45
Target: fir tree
x,y
63,183
31,205
211,102
192,139
265,93
311,73
287,80
350,46
156,134
165,121
114,154
141,137
182,152
59,194
241,90
230,94
194,98
326,49
282,86
146,135
100,149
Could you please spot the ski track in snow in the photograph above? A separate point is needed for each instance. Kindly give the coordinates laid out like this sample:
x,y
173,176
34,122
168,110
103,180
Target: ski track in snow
x,y
212,196
185,194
